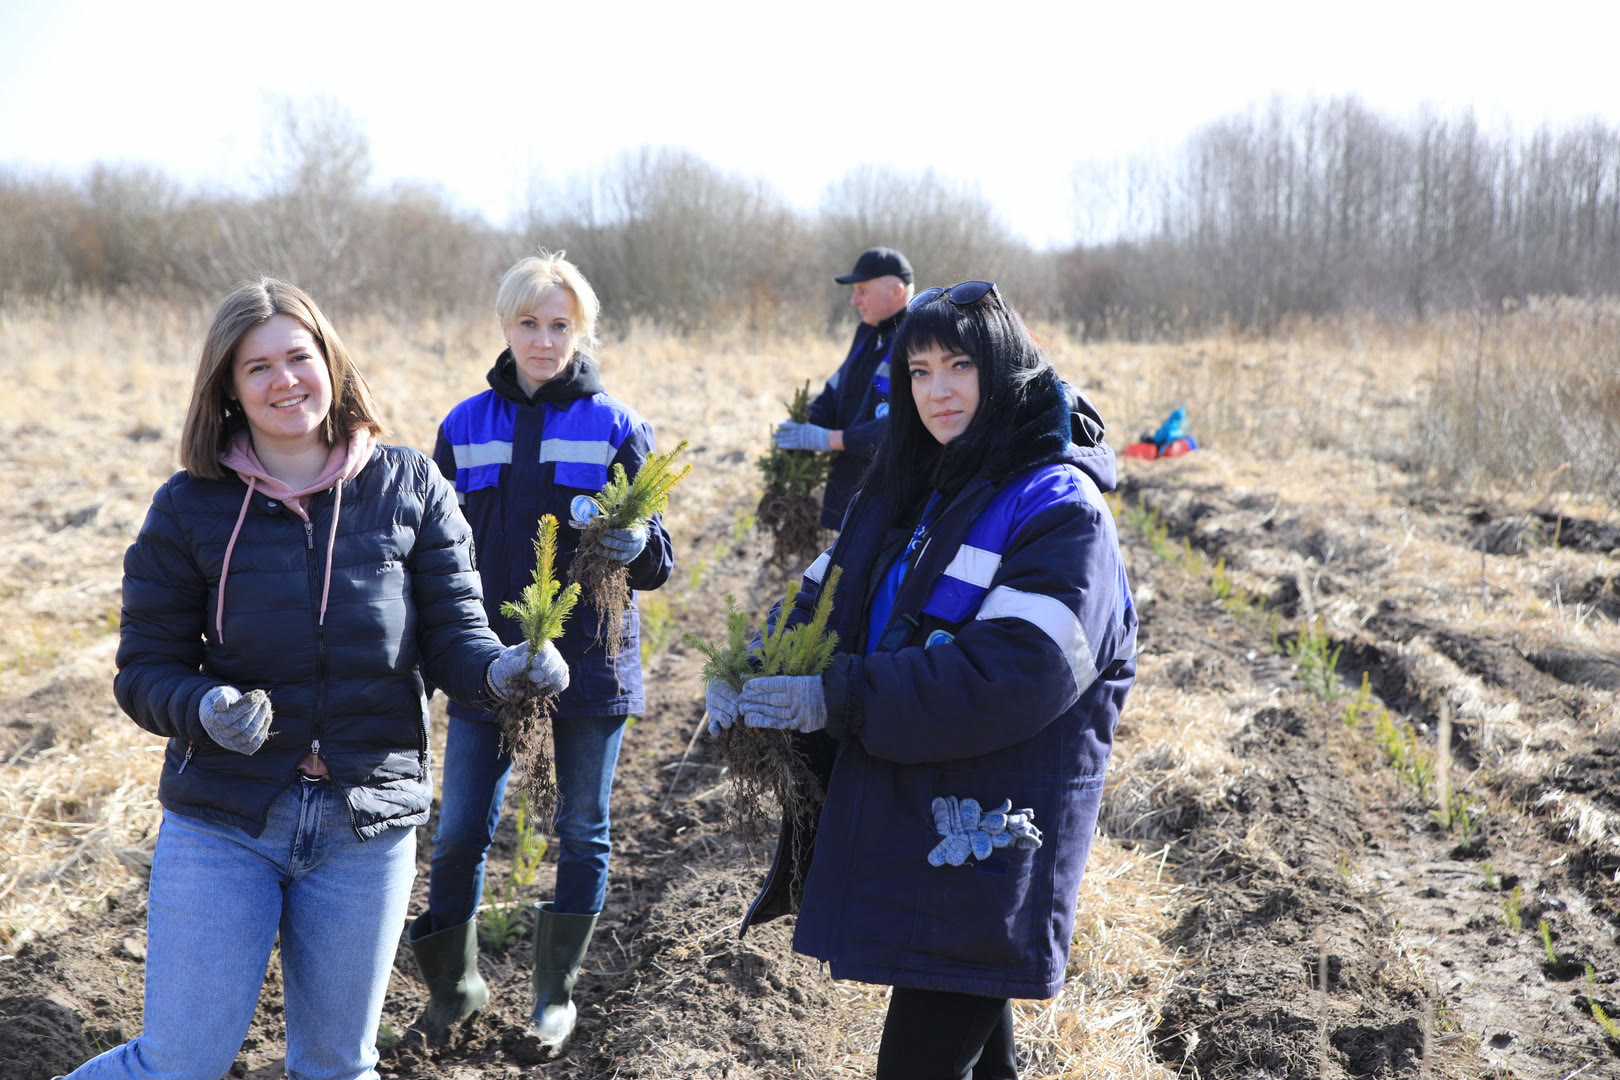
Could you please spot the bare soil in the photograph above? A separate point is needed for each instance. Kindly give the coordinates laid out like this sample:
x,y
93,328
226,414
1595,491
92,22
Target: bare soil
x,y
1335,928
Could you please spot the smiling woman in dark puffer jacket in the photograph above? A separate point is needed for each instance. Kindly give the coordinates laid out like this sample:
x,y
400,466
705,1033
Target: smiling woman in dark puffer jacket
x,y
287,595
986,644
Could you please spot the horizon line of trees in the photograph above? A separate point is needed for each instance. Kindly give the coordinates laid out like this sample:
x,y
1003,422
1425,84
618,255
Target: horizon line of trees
x,y
1276,213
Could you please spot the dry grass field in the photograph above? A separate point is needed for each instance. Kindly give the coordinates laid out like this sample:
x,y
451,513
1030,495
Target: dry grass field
x,y
1363,818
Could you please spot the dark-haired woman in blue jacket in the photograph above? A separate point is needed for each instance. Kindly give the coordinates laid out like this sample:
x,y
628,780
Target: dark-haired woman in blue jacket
x,y
987,643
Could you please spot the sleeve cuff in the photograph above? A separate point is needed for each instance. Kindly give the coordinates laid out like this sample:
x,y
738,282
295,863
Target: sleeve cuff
x,y
840,685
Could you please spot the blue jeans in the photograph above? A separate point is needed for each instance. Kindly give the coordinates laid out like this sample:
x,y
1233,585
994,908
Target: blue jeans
x,y
586,749
217,901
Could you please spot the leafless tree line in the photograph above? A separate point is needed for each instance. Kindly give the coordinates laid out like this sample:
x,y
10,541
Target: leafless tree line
x,y
1327,206
1284,211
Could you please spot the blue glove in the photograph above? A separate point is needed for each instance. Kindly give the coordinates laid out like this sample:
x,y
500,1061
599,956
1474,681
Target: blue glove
x,y
787,702
792,436
234,720
970,832
544,667
720,701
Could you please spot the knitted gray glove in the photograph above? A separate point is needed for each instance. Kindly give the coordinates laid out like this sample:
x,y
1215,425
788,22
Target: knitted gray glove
x,y
544,667
970,832
788,702
234,720
721,702
795,436
623,545
620,545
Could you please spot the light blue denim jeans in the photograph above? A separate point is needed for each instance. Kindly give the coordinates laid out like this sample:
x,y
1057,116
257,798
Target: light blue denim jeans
x,y
217,901
586,750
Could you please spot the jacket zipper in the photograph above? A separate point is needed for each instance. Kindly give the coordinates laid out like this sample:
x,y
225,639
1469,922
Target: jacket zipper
x,y
320,635
190,749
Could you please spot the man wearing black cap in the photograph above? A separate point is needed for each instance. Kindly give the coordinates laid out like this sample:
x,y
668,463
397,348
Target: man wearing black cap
x,y
848,416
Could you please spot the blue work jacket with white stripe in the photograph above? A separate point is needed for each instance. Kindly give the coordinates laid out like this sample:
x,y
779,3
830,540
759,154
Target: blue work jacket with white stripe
x,y
999,675
514,457
855,401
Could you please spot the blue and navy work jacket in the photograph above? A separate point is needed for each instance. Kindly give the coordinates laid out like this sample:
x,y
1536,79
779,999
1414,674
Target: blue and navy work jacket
x,y
999,675
513,459
855,401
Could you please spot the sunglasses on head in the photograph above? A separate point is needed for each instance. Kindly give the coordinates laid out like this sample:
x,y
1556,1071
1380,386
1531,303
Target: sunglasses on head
x,y
961,294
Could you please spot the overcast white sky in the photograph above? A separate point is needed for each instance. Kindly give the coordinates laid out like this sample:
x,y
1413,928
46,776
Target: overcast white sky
x,y
479,97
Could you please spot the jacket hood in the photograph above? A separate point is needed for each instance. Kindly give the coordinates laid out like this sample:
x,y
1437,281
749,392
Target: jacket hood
x,y
581,378
343,462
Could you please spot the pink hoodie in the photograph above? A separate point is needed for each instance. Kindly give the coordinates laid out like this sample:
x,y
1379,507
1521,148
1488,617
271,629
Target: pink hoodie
x,y
343,462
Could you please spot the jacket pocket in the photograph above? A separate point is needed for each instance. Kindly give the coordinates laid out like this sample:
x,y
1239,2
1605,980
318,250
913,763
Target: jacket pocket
x,y
989,913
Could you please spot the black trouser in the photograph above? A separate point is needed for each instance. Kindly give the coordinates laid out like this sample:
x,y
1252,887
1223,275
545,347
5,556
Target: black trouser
x,y
937,1035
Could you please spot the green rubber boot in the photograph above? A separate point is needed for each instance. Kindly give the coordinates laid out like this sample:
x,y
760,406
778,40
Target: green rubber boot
x,y
560,942
449,963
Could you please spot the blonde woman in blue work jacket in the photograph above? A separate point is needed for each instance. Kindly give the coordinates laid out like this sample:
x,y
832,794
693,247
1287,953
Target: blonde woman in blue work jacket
x,y
987,643
540,440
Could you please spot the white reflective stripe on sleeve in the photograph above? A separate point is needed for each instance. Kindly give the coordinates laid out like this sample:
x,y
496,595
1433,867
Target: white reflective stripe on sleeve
x,y
974,565
1052,619
472,455
818,569
577,451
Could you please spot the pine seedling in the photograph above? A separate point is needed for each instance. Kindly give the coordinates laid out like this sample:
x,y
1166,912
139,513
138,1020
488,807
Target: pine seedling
x,y
1609,1027
726,663
1547,942
805,649
789,509
525,716
1512,916
625,504
762,761
539,609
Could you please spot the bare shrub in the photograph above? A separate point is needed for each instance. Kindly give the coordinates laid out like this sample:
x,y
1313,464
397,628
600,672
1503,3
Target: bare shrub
x,y
1527,395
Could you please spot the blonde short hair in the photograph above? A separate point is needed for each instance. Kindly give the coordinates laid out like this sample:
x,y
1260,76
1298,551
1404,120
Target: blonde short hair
x,y
214,416
531,276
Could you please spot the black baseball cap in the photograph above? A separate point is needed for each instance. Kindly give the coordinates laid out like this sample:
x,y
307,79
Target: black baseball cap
x,y
877,262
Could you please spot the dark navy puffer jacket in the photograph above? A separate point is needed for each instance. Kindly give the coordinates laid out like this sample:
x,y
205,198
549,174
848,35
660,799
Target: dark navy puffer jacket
x,y
514,458
404,601
1000,675
855,401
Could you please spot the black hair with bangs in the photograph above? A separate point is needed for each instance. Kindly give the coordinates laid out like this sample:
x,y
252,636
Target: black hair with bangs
x,y
1012,368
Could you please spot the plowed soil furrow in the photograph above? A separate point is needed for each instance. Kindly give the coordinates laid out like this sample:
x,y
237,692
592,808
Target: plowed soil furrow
x,y
1457,954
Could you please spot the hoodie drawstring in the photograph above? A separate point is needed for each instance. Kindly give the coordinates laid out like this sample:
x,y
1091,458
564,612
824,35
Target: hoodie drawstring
x,y
331,539
225,570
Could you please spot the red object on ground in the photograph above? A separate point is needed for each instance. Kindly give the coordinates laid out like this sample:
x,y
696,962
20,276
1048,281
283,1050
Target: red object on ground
x,y
1175,448
1141,450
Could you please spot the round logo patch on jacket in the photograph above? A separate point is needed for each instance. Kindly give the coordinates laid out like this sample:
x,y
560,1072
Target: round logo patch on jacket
x,y
939,637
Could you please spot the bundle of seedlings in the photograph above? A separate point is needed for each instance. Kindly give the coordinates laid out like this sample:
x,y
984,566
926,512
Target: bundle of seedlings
x,y
763,761
622,504
525,716
790,509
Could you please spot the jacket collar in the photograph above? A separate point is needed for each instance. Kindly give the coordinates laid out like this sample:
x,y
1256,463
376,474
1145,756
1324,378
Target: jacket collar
x,y
581,378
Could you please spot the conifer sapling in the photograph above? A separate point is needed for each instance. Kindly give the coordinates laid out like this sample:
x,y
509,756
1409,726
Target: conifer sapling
x,y
763,761
624,504
525,716
790,509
